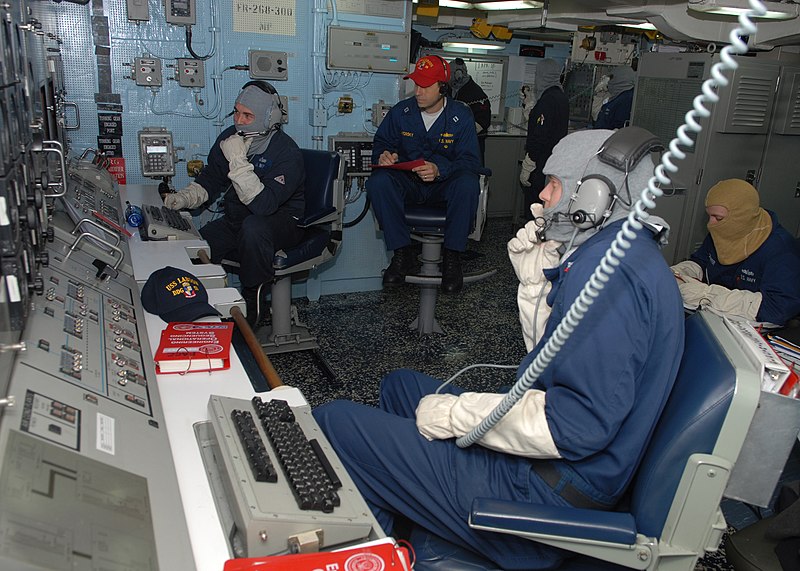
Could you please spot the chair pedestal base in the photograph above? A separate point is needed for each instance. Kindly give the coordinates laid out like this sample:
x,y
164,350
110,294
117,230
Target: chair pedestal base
x,y
429,279
285,333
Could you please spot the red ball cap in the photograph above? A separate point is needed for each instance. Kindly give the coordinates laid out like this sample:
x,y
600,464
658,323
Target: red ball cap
x,y
429,70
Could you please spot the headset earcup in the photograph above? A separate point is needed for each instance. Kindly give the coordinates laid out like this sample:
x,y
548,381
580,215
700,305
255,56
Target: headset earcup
x,y
276,113
592,198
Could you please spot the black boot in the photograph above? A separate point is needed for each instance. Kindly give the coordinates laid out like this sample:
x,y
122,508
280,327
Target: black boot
x,y
452,278
250,295
403,262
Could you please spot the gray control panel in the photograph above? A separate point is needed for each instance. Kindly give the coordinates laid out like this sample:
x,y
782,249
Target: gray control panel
x,y
156,152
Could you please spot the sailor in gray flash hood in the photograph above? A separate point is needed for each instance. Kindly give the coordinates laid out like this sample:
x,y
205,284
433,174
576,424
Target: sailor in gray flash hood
x,y
266,106
548,74
577,217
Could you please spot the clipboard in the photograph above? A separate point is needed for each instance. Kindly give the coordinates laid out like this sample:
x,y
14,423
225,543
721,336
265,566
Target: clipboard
x,y
404,166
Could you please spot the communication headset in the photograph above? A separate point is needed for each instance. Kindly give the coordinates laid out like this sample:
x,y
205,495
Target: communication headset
x,y
444,86
277,112
592,202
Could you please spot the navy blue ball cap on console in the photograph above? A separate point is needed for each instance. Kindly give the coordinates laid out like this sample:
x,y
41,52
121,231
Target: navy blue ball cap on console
x,y
176,295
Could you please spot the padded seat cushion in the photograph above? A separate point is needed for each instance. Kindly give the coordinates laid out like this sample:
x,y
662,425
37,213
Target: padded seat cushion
x,y
312,245
426,218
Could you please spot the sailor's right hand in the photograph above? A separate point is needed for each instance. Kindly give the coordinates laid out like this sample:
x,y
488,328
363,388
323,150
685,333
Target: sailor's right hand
x,y
192,196
176,200
388,158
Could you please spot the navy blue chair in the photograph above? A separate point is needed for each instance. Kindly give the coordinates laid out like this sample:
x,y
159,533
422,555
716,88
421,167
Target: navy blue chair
x,y
322,223
672,512
427,222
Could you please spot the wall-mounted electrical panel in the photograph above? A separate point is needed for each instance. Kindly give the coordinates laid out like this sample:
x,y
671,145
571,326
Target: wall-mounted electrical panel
x,y
267,65
190,72
604,48
147,72
356,148
368,50
138,10
180,12
156,152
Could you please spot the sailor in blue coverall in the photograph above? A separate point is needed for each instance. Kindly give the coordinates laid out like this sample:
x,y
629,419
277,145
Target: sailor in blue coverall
x,y
617,110
576,437
260,170
440,130
748,265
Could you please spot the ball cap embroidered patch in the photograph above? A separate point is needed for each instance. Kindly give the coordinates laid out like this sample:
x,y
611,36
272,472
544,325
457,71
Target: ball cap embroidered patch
x,y
176,295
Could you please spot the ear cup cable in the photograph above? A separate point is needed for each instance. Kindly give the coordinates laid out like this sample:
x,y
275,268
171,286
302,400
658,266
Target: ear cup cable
x,y
622,242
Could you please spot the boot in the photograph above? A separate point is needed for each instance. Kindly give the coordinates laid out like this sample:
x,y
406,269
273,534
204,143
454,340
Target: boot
x,y
403,262
250,295
452,278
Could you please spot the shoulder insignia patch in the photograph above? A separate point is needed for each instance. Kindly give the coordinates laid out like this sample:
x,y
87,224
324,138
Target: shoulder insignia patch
x,y
280,179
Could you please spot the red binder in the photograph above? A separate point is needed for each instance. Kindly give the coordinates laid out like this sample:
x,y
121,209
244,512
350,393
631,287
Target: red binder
x,y
193,346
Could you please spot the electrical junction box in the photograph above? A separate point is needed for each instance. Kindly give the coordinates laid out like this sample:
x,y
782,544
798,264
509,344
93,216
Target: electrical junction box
x,y
190,72
379,111
346,104
368,50
138,10
147,72
180,12
267,65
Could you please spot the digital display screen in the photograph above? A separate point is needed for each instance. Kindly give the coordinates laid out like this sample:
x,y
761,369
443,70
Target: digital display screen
x,y
150,149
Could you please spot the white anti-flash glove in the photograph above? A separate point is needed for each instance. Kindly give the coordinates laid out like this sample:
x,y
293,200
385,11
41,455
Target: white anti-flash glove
x,y
523,431
245,181
191,196
529,257
687,269
528,166
730,301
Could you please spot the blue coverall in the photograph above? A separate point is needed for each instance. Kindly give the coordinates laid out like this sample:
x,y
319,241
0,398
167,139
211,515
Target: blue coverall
x,y
252,233
452,144
605,391
773,270
614,113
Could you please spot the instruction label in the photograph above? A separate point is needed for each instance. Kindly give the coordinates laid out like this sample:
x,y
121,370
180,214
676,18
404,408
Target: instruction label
x,y
265,16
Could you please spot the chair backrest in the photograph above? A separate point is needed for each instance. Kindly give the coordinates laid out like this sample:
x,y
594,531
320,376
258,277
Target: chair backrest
x,y
322,172
324,209
691,423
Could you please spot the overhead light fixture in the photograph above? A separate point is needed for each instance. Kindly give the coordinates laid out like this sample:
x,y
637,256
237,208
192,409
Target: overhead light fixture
x,y
467,44
490,6
640,26
775,10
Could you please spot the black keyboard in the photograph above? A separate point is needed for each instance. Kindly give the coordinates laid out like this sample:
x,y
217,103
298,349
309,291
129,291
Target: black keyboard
x,y
162,223
308,472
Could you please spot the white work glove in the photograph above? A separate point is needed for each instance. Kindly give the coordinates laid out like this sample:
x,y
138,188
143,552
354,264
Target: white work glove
x,y
530,257
191,196
687,269
433,416
523,431
240,170
235,146
528,166
721,299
